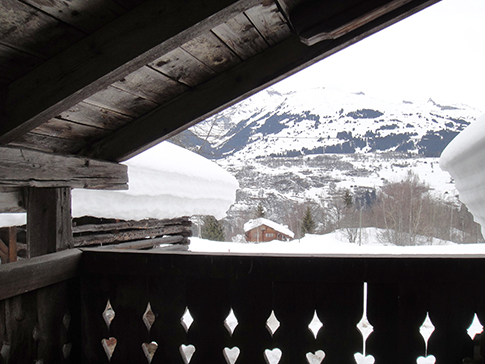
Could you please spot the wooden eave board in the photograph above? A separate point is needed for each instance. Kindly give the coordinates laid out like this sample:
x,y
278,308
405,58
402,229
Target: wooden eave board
x,y
153,85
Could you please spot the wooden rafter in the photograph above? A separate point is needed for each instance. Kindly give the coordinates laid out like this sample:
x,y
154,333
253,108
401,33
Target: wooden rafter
x,y
29,168
234,85
106,56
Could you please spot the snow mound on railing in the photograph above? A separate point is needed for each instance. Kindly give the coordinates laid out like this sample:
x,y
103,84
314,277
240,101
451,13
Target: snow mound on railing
x,y
464,160
165,181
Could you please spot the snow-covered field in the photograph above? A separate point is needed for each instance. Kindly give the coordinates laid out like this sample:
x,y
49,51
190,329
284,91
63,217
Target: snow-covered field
x,y
336,243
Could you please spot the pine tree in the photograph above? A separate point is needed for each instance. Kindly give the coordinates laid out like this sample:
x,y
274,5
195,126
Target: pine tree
x,y
348,199
308,225
212,229
259,211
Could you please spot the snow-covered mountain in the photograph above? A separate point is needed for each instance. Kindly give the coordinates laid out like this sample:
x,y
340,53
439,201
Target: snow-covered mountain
x,y
300,146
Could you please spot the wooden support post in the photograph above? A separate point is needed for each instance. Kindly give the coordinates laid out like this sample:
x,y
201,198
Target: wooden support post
x,y
8,240
49,225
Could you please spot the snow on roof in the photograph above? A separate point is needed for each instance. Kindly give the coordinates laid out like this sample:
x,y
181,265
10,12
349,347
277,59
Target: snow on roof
x,y
165,181
464,159
251,224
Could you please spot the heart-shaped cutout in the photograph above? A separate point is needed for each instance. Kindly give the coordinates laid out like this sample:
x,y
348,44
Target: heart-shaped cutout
x,y
66,350
109,346
272,356
187,351
361,359
430,359
149,349
316,358
231,355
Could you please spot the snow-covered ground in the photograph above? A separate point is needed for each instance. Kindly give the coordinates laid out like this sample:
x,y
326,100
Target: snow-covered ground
x,y
336,243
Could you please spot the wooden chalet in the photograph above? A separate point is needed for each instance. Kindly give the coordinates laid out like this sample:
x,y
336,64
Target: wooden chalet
x,y
87,84
260,230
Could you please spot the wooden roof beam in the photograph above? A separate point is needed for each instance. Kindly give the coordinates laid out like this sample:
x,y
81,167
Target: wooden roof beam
x,y
106,56
234,85
29,168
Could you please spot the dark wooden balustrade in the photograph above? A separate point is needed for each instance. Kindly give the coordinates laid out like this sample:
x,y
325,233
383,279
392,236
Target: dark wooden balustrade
x,y
128,306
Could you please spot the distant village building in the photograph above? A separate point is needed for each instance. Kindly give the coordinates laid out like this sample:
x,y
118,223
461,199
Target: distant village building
x,y
261,230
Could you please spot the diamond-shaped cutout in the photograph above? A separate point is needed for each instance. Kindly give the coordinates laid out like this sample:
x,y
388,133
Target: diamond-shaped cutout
x,y
149,317
108,314
426,329
365,327
315,325
475,328
231,322
186,319
272,324
109,346
149,350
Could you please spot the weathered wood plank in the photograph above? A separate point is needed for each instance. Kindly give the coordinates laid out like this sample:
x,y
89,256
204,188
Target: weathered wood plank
x,y
241,36
47,143
270,22
86,15
23,168
121,236
28,275
49,225
314,28
14,64
93,115
124,225
106,56
228,88
211,51
151,85
182,67
32,31
12,201
148,243
121,101
8,236
69,130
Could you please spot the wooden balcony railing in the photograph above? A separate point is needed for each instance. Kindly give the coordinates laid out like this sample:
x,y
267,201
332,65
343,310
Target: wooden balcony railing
x,y
142,307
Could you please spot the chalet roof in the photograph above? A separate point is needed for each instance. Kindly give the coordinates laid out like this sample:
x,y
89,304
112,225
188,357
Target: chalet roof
x,y
251,224
107,79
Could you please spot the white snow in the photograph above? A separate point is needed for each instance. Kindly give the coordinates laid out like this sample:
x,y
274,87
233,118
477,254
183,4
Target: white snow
x,y
464,159
165,181
251,224
337,244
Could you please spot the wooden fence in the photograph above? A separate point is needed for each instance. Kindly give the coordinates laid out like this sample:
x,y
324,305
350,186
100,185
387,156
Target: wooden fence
x,y
119,306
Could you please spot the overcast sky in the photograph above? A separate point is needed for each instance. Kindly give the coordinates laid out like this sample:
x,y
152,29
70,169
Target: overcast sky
x,y
437,53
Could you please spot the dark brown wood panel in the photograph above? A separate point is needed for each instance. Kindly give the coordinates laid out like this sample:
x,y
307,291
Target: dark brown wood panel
x,y
211,51
121,101
86,15
14,63
29,168
69,130
48,144
27,29
93,115
241,36
151,85
106,56
270,22
183,67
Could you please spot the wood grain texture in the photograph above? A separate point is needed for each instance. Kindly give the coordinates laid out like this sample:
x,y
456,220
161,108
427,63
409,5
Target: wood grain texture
x,y
183,67
23,168
64,129
93,115
108,55
14,63
85,15
211,51
46,143
28,275
49,226
241,36
270,22
32,31
12,201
